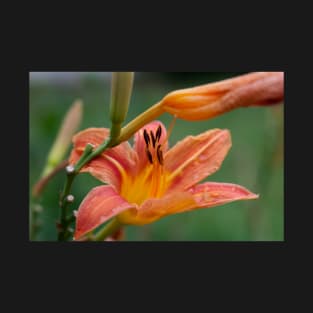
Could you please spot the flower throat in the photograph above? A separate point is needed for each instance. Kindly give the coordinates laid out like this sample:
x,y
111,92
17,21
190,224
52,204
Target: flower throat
x,y
151,181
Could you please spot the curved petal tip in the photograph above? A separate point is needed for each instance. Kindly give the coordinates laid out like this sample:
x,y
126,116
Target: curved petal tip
x,y
212,194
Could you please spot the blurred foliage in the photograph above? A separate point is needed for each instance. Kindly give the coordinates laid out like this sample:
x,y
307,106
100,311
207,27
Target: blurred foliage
x,y
254,161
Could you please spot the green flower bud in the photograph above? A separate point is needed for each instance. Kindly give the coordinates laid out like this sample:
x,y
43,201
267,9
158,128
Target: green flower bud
x,y
63,140
121,89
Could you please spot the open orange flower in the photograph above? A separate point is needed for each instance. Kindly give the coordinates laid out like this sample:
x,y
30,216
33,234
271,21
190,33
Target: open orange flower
x,y
150,181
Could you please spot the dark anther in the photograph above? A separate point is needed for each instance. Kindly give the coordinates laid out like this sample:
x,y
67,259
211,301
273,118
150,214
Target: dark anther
x,y
146,136
149,155
153,139
158,133
160,154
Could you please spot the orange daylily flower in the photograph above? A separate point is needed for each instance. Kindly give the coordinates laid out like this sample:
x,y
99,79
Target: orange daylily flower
x,y
149,181
209,100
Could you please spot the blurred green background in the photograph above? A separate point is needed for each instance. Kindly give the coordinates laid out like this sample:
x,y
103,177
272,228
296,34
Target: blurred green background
x,y
254,161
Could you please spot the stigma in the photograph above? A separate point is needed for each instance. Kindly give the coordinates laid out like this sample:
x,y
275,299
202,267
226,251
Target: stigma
x,y
153,146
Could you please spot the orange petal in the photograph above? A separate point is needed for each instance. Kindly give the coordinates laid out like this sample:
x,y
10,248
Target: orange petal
x,y
140,144
100,204
153,209
112,164
123,153
196,157
201,196
212,194
101,168
94,136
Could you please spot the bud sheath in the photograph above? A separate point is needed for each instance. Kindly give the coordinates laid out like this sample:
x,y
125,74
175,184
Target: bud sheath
x,y
121,89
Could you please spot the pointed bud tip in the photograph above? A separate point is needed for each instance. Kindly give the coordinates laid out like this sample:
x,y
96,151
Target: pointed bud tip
x,y
121,90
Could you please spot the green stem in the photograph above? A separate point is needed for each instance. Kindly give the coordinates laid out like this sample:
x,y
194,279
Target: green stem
x,y
35,209
107,230
139,121
82,161
115,132
86,157
64,223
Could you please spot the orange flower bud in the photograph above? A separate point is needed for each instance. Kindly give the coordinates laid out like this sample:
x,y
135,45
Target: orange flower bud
x,y
207,101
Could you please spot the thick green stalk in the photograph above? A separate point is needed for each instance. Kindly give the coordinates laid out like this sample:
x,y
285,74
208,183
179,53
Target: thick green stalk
x,y
63,224
89,155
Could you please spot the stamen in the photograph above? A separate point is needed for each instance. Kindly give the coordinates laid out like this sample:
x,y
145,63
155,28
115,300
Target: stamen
x,y
146,137
153,139
158,133
160,154
170,128
149,155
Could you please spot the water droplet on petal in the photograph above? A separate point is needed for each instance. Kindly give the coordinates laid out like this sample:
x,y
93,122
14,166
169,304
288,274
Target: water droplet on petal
x,y
114,210
196,162
214,194
198,198
196,177
206,196
202,158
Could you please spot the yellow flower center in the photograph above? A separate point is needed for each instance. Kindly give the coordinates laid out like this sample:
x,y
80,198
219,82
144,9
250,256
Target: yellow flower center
x,y
152,180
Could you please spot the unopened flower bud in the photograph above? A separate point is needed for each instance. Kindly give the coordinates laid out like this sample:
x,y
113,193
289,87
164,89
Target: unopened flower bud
x,y
213,99
63,140
121,90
